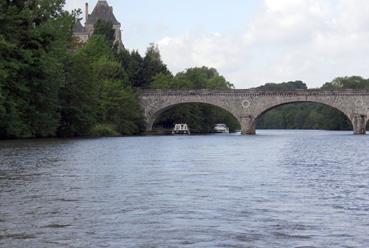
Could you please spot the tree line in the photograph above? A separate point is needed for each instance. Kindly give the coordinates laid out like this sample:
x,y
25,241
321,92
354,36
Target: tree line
x,y
50,85
53,86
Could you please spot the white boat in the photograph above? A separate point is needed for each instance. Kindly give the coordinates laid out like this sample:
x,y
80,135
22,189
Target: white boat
x,y
221,128
181,129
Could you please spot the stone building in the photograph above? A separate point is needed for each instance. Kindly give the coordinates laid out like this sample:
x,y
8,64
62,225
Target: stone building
x,y
102,11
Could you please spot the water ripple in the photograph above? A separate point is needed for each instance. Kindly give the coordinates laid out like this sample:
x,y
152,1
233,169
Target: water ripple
x,y
302,189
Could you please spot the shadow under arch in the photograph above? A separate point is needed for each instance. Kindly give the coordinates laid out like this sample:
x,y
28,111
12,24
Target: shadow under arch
x,y
206,114
306,110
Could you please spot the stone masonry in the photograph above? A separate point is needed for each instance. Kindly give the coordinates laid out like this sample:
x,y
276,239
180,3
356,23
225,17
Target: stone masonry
x,y
248,105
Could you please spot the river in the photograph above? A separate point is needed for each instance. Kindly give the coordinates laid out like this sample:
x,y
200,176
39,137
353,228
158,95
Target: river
x,y
276,189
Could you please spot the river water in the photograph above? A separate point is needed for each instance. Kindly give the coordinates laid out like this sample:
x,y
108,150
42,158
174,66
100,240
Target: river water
x,y
276,189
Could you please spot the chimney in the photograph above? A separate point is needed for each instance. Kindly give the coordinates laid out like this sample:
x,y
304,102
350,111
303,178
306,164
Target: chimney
x,y
86,11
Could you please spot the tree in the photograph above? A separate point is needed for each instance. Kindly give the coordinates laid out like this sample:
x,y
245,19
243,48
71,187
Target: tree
x,y
193,78
105,29
124,57
163,81
96,47
121,109
79,98
32,65
292,85
117,109
135,70
153,65
341,83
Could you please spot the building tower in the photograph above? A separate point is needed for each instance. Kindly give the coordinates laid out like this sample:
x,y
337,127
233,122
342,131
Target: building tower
x,y
102,11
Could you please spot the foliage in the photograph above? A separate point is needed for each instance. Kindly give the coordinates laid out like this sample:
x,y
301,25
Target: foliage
x,y
193,78
45,90
141,71
342,83
103,130
117,104
105,29
292,85
132,63
78,97
96,47
153,66
31,65
122,109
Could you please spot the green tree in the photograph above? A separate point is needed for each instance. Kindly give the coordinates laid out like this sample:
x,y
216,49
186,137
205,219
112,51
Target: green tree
x,y
292,85
121,109
153,65
341,83
32,65
79,98
117,109
193,78
135,70
105,29
124,57
164,81
96,47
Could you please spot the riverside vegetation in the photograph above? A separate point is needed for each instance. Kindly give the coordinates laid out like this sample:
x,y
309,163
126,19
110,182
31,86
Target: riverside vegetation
x,y
52,86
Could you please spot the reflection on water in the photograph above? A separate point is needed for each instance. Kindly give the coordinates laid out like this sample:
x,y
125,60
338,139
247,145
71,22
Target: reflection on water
x,y
276,189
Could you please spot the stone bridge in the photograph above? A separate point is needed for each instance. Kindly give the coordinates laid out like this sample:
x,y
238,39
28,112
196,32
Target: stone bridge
x,y
247,105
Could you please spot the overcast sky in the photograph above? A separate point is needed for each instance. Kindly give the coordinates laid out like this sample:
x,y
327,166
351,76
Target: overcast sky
x,y
251,42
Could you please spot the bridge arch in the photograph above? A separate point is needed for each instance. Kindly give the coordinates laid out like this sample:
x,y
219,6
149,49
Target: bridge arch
x,y
274,106
318,103
154,114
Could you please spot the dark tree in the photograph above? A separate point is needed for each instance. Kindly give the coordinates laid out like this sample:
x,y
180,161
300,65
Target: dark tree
x,y
33,47
79,98
153,65
135,70
105,29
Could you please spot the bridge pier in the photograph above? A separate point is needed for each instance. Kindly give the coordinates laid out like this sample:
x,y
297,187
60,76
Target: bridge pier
x,y
248,125
359,124
149,124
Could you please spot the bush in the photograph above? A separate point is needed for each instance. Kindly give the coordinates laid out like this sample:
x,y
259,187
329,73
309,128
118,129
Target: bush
x,y
103,130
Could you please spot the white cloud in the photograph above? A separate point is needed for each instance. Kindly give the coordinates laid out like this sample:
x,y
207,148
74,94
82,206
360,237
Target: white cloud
x,y
310,40
213,50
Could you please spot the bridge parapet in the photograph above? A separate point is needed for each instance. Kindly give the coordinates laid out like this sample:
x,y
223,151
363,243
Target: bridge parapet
x,y
240,93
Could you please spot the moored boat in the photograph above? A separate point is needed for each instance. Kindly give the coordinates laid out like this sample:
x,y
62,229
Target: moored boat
x,y
221,128
181,129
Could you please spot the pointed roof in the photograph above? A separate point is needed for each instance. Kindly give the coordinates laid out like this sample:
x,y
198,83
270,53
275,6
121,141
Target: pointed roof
x,y
102,11
78,27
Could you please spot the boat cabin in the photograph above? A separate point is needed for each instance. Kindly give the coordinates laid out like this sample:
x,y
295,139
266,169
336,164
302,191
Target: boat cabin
x,y
181,129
